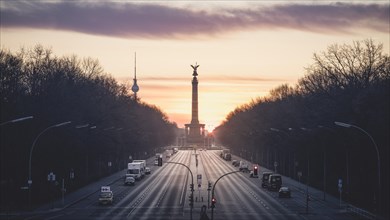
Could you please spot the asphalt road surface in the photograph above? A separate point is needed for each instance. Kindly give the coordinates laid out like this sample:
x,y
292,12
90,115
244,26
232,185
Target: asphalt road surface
x,y
164,194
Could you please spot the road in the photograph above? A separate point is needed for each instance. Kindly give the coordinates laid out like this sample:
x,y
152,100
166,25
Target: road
x,y
164,194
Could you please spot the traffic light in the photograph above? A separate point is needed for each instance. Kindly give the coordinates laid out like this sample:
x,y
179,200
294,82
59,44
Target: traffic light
x,y
213,201
191,200
255,171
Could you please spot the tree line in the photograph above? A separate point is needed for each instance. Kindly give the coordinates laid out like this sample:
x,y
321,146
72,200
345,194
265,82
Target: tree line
x,y
107,123
294,126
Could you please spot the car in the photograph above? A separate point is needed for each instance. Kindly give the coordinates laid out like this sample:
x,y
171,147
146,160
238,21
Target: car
x,y
147,170
106,195
264,179
129,180
168,156
284,192
155,162
234,162
274,182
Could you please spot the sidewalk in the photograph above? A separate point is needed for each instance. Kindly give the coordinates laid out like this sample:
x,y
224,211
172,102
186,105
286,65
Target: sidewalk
x,y
77,195
84,192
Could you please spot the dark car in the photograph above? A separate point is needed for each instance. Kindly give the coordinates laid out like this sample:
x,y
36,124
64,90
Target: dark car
x,y
284,192
274,182
264,179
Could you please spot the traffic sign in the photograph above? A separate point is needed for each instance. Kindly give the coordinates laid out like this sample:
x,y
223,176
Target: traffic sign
x,y
199,177
340,185
51,177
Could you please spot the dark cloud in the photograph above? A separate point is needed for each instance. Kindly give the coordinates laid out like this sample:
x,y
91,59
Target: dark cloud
x,y
161,21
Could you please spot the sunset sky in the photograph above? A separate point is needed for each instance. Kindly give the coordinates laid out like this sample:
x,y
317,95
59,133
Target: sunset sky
x,y
244,48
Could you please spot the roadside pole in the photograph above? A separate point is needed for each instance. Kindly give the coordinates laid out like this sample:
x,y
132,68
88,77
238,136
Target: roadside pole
x,y
212,193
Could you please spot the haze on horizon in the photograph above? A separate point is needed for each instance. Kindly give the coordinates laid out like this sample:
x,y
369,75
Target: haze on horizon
x,y
244,48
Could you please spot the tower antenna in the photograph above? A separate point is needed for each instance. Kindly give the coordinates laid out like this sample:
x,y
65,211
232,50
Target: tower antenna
x,y
135,87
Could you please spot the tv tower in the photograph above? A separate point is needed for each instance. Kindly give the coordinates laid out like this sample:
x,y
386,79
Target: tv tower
x,y
135,87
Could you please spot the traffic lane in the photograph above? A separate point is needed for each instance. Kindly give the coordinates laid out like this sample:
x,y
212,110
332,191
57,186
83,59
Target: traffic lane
x,y
89,208
317,209
154,204
245,191
249,201
163,199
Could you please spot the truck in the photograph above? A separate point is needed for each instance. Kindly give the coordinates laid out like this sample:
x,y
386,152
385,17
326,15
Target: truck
x,y
134,169
143,166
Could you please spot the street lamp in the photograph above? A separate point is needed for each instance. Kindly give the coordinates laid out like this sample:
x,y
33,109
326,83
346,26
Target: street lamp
x,y
289,150
31,150
17,120
346,125
82,126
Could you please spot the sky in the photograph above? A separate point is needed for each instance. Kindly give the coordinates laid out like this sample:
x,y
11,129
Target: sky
x,y
243,48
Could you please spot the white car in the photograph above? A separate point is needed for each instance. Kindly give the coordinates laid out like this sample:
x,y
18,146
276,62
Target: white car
x,y
106,195
147,170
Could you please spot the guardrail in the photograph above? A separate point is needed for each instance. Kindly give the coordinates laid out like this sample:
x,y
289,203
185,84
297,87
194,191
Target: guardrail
x,y
361,212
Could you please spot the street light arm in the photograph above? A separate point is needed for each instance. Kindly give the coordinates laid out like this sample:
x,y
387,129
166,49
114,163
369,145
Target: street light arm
x,y
36,139
192,182
372,139
281,131
17,120
192,177
212,191
221,178
342,124
376,148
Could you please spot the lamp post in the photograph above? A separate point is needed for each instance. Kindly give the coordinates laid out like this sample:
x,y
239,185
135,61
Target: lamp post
x,y
31,150
16,120
346,125
213,200
191,186
289,150
308,173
